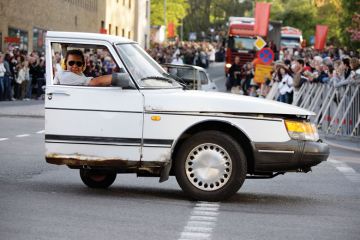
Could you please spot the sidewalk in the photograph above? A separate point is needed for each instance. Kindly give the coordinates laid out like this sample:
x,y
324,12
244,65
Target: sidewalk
x,y
32,108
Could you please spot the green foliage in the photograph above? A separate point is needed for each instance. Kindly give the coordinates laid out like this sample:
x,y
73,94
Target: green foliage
x,y
175,11
201,15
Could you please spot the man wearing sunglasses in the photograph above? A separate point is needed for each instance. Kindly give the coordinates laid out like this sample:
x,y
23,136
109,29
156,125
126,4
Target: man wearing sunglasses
x,y
73,72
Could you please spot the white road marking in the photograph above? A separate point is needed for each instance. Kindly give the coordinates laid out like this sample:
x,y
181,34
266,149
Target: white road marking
x,y
201,222
41,132
346,169
348,172
3,139
22,135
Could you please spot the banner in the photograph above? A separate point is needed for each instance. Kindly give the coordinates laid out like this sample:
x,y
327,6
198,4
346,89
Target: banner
x,y
320,36
262,15
171,30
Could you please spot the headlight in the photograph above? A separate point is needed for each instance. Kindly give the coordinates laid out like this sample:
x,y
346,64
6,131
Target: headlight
x,y
228,65
300,130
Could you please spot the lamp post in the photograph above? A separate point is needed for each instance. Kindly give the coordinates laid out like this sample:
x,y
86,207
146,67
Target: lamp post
x,y
165,37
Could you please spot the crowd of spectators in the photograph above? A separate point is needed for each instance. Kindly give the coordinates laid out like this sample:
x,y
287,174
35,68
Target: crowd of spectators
x,y
22,75
293,68
193,53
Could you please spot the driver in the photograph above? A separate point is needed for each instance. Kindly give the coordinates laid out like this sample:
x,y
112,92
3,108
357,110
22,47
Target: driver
x,y
73,73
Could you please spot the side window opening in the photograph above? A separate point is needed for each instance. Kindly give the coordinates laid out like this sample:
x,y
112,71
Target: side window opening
x,y
85,64
204,79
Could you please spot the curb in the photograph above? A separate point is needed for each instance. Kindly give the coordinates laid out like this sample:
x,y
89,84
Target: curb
x,y
342,146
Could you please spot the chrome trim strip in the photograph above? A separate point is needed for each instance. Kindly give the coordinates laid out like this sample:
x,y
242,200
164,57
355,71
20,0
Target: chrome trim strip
x,y
275,151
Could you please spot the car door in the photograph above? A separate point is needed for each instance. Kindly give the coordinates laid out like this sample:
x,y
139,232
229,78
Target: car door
x,y
92,123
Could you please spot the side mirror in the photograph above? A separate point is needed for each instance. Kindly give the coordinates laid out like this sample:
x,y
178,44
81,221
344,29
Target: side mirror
x,y
122,80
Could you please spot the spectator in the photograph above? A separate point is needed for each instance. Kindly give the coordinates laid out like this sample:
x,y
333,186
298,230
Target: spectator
x,y
285,85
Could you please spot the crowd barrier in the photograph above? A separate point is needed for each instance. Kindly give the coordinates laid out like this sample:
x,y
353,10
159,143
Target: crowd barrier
x,y
337,106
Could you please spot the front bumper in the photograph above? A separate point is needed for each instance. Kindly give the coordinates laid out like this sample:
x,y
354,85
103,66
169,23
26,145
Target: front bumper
x,y
288,156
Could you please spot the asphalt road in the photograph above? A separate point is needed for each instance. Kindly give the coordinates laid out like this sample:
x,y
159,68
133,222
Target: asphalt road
x,y
42,201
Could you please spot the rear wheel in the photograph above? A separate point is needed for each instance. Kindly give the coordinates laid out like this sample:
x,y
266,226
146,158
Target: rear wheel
x,y
97,178
210,166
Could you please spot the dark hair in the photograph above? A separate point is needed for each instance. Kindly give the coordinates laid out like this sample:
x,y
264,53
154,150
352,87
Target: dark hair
x,y
287,71
301,62
76,52
346,62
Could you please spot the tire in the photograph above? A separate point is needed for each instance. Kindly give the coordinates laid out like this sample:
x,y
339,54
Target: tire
x,y
96,178
226,174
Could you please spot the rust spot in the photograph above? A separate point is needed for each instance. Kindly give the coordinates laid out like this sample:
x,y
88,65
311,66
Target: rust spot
x,y
80,160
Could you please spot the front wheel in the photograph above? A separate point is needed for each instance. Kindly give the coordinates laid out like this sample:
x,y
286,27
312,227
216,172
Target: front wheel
x,y
97,178
210,166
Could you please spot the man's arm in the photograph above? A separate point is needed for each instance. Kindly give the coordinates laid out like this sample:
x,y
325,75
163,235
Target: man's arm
x,y
101,81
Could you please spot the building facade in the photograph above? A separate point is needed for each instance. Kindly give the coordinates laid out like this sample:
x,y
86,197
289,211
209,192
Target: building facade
x,y
23,23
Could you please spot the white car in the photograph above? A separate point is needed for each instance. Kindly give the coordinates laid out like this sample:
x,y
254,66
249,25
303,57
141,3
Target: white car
x,y
147,124
194,77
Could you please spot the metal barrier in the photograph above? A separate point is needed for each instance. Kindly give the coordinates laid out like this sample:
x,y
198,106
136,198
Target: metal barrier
x,y
337,106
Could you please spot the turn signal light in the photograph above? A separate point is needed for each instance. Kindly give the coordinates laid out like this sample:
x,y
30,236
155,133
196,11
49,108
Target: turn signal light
x,y
301,130
155,118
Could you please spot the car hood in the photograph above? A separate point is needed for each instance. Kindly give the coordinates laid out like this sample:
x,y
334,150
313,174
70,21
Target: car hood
x,y
215,102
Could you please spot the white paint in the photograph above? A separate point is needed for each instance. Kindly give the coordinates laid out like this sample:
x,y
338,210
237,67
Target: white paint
x,y
348,172
22,135
346,169
203,218
194,235
201,222
3,139
41,132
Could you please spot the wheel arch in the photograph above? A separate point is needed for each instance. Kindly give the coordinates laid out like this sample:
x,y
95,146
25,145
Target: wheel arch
x,y
219,125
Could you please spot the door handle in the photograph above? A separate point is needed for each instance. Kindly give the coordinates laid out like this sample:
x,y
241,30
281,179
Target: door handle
x,y
50,94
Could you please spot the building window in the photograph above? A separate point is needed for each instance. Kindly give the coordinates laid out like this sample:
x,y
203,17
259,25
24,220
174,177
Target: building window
x,y
22,35
39,39
129,34
123,2
76,21
109,28
102,24
0,41
123,32
147,9
130,4
116,31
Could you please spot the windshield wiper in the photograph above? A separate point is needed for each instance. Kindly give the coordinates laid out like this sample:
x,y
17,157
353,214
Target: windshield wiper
x,y
169,80
178,80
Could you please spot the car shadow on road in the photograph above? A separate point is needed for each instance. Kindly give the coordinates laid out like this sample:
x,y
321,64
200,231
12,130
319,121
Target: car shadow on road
x,y
159,193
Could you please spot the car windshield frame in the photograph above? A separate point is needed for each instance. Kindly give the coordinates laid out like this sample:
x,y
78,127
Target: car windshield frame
x,y
144,70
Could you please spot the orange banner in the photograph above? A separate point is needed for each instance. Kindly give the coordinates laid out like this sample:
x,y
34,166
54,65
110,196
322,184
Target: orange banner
x,y
262,15
171,30
320,36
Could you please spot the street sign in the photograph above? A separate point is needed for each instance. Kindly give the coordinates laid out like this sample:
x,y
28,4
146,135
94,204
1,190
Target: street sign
x,y
266,55
259,43
262,72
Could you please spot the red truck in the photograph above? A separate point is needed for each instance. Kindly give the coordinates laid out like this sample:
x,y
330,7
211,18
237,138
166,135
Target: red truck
x,y
241,38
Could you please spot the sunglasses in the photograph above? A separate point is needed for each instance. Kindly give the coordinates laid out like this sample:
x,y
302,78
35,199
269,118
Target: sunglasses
x,y
78,63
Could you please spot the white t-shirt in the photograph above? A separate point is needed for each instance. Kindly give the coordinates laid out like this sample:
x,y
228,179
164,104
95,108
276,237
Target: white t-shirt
x,y
70,78
177,61
285,86
2,70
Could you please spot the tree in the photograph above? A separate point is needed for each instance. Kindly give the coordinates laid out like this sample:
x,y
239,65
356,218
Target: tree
x,y
175,11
